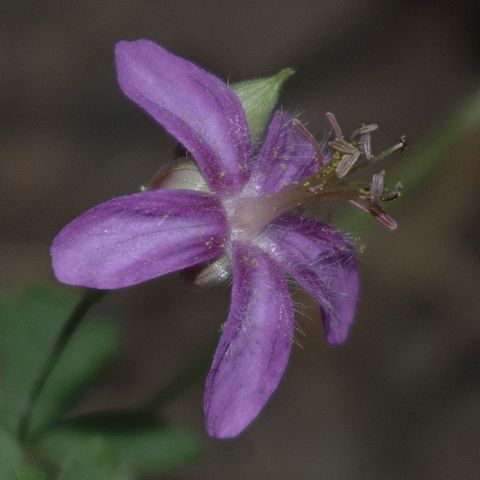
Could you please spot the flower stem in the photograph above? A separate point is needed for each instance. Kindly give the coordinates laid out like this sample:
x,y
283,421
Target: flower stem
x,y
90,297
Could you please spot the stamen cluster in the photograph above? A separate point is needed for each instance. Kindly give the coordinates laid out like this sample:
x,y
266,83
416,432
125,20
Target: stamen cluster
x,y
346,158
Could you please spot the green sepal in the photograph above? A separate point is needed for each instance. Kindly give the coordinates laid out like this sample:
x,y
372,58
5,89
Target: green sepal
x,y
259,98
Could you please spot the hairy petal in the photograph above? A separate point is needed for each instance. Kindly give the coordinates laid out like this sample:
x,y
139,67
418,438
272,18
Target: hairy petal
x,y
137,237
255,345
322,261
286,157
197,108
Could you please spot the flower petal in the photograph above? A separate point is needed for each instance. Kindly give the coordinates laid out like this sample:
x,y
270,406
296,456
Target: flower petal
x,y
198,109
286,157
255,345
137,237
322,261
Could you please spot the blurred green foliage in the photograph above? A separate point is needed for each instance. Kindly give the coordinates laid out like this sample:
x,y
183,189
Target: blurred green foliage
x,y
12,462
102,446
92,460
142,442
30,326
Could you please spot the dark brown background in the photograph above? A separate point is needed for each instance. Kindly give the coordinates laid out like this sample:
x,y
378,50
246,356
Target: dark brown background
x,y
402,399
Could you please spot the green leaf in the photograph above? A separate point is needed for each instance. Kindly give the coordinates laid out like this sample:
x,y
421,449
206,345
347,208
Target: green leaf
x,y
29,472
30,326
143,443
259,98
92,460
10,455
12,463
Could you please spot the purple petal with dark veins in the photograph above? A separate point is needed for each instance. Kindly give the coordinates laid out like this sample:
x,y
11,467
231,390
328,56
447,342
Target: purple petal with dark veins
x,y
137,237
255,345
197,108
286,157
322,261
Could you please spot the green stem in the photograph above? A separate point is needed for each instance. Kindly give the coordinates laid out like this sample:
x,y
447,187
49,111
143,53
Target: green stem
x,y
89,298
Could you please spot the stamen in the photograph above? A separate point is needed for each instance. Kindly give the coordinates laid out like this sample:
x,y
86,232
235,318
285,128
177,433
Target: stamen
x,y
334,124
383,217
377,187
378,213
342,146
363,130
401,146
346,163
318,150
327,183
395,193
366,144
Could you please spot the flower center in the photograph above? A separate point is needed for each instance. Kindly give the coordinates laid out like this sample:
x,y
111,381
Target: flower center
x,y
248,216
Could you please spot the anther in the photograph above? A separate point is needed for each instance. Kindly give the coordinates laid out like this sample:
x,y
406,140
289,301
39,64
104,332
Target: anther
x,y
311,139
378,213
363,130
342,146
334,124
395,193
366,145
377,187
346,163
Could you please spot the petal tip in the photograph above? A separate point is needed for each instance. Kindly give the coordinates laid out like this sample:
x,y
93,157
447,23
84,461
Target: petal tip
x,y
122,47
222,434
129,52
337,337
223,428
125,45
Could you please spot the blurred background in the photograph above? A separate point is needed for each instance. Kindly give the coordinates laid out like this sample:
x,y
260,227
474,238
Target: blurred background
x,y
402,399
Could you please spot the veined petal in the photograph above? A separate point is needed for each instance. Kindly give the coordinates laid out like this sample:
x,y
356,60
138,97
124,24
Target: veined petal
x,y
255,345
197,108
137,237
322,261
286,157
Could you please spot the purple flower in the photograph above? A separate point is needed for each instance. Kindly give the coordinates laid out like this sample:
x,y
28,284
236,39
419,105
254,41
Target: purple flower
x,y
233,218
